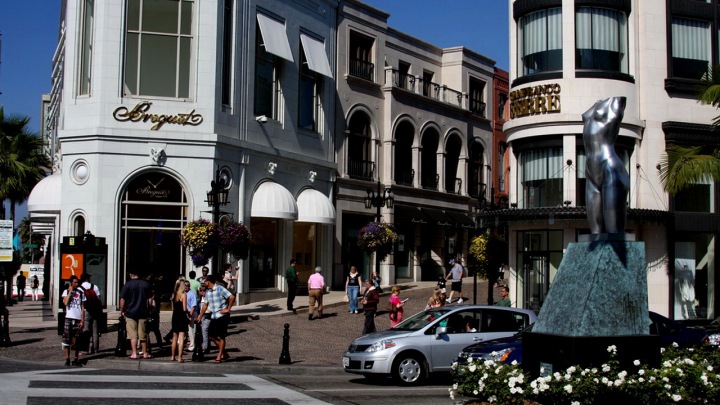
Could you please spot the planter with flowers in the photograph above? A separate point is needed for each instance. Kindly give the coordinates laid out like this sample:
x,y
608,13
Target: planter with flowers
x,y
200,238
235,237
379,238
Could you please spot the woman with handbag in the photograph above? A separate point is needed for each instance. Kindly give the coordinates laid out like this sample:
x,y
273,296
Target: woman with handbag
x,y
352,288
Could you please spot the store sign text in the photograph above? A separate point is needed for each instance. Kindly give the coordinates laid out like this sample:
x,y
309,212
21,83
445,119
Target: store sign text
x,y
543,99
139,113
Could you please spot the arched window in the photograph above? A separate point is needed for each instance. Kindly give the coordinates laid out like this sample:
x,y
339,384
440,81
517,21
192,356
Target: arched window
x,y
453,181
430,177
359,164
404,172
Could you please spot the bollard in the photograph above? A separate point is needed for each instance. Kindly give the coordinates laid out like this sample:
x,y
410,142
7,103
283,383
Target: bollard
x,y
198,354
285,354
5,338
121,347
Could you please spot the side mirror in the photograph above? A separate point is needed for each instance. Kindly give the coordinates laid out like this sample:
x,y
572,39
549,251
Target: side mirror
x,y
441,330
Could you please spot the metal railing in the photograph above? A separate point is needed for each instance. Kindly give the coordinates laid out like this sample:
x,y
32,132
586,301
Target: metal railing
x,y
362,69
361,169
430,182
455,187
405,177
403,80
476,189
430,89
477,107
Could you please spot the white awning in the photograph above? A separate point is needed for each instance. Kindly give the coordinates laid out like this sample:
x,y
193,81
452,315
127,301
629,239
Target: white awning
x,y
272,200
45,196
315,54
274,37
314,206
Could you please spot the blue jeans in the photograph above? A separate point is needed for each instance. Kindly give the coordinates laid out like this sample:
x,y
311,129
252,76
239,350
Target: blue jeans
x,y
353,294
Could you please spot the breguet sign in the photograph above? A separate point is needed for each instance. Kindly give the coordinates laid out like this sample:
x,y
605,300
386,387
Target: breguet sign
x,y
140,113
535,100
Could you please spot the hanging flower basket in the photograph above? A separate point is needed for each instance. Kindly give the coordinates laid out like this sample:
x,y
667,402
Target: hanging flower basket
x,y
200,238
379,238
235,238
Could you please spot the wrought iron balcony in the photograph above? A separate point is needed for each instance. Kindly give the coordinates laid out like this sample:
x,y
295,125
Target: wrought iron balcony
x,y
361,169
405,177
362,69
477,107
455,187
430,182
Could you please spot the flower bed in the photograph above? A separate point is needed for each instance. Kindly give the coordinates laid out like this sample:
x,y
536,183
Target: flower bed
x,y
685,376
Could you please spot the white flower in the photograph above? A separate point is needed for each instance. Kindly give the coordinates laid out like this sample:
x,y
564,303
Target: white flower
x,y
605,368
604,380
636,362
511,382
679,370
689,362
612,349
667,364
568,388
709,368
676,398
571,369
622,374
514,363
662,350
475,392
674,344
641,379
652,378
575,403
665,379
492,398
641,372
455,386
533,384
668,386
472,368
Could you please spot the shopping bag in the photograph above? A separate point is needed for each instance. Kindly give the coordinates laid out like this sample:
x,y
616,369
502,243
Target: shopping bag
x,y
346,298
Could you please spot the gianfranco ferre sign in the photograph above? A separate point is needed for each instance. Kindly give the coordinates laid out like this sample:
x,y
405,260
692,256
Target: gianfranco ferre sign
x,y
139,113
535,100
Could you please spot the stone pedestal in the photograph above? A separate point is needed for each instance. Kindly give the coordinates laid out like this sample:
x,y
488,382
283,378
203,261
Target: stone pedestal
x,y
598,299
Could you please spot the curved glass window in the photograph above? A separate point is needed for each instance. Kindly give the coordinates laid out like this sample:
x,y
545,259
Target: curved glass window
x,y
541,184
540,41
601,39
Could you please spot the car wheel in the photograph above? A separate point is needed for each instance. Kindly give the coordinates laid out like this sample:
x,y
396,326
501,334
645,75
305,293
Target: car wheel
x,y
409,369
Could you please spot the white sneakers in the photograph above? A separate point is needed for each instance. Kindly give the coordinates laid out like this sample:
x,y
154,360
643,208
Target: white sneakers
x,y
460,301
447,300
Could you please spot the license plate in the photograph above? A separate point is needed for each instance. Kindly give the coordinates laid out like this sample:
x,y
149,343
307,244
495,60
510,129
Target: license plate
x,y
346,362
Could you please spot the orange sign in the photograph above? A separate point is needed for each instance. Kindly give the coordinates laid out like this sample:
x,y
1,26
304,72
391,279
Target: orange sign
x,y
72,265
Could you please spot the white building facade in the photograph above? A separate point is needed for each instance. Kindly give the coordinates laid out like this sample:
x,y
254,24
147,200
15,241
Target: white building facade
x,y
155,99
566,55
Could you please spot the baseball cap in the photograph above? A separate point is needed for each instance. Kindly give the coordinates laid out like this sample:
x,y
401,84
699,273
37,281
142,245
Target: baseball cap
x,y
452,261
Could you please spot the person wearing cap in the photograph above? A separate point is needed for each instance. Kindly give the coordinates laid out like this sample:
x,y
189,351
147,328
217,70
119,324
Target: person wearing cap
x,y
316,286
456,273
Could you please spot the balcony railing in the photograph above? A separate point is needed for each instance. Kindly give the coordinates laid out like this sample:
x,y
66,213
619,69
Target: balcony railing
x,y
476,189
432,90
477,107
430,182
361,169
455,187
405,177
362,69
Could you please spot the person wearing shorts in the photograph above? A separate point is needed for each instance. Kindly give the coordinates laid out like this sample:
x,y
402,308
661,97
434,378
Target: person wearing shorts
x,y
74,301
456,274
135,302
218,302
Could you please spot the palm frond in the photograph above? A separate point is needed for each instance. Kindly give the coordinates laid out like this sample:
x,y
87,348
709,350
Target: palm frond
x,y
682,166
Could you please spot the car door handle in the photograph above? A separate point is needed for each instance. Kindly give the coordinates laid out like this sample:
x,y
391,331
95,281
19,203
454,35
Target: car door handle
x,y
477,339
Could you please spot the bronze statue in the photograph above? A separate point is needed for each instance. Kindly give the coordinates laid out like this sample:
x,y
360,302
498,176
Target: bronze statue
x,y
607,180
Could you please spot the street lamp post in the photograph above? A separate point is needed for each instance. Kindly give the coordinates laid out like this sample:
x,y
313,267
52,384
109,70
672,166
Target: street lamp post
x,y
217,197
382,198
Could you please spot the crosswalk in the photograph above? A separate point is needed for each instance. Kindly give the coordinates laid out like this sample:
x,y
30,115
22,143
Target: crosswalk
x,y
109,387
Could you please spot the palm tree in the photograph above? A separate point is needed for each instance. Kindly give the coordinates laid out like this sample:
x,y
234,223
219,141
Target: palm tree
x,y
22,166
682,166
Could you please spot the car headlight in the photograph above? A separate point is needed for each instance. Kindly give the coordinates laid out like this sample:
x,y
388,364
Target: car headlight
x,y
500,355
714,339
382,345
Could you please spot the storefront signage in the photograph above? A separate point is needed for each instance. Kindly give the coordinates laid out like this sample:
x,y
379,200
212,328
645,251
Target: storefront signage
x,y
139,113
6,237
151,190
535,100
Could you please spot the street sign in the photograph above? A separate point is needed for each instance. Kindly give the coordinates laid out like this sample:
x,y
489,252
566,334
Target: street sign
x,y
6,236
31,245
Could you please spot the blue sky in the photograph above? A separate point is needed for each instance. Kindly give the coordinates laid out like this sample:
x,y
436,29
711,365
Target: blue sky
x,y
29,31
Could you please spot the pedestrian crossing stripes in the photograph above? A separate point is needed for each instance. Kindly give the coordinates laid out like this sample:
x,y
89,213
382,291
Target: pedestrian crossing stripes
x,y
109,387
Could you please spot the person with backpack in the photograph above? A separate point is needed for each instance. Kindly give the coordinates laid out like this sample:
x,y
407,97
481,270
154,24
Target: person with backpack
x,y
34,286
93,312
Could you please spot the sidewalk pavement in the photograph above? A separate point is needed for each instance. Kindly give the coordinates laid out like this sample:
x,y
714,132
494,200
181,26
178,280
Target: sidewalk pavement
x,y
255,335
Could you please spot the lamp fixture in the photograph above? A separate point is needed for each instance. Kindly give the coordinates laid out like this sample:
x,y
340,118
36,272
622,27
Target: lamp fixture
x,y
261,119
383,198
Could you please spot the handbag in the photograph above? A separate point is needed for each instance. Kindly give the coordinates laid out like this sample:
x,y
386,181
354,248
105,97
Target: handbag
x,y
346,298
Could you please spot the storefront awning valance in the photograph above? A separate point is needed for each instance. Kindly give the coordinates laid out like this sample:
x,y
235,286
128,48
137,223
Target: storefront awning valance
x,y
314,206
438,217
461,219
272,200
414,215
45,196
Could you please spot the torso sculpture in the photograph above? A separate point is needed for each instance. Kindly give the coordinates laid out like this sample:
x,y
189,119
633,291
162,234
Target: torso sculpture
x,y
607,180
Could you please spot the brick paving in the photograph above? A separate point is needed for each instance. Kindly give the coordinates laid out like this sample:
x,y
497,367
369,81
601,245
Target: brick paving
x,y
255,333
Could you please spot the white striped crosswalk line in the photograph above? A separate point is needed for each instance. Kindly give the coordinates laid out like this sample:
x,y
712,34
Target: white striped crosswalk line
x,y
17,388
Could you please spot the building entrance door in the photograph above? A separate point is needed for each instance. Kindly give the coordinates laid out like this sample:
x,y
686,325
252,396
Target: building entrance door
x,y
153,213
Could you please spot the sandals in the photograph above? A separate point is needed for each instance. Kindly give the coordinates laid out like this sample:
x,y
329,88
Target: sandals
x,y
216,361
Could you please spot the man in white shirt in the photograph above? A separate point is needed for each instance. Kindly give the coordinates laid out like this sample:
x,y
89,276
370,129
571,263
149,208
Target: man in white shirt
x,y
456,273
73,299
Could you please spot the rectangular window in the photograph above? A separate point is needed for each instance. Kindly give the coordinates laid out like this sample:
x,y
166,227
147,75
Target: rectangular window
x,y
477,97
542,177
158,48
699,197
691,48
540,41
430,89
87,21
227,61
308,98
601,39
403,79
361,56
267,87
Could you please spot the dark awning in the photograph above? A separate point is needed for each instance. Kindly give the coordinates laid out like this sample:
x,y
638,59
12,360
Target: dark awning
x,y
438,217
461,219
405,214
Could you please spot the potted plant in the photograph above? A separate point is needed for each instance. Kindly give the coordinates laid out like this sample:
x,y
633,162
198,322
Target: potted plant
x,y
200,238
378,238
235,238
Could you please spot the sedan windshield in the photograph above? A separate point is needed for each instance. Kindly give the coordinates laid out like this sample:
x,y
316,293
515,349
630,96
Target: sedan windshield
x,y
422,319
